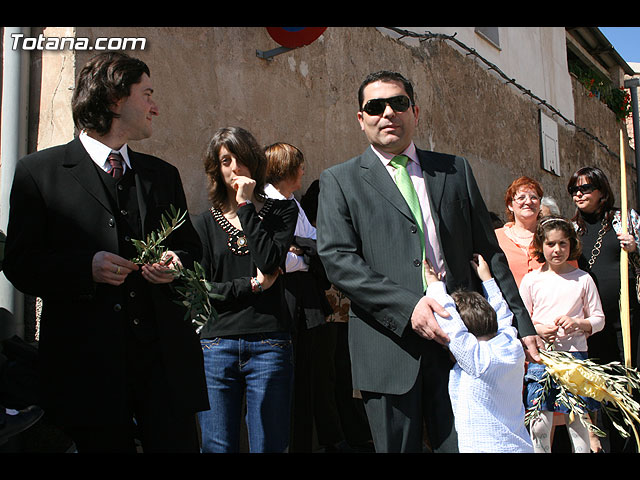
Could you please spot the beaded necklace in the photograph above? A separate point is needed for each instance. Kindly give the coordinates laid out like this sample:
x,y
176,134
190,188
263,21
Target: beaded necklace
x,y
236,239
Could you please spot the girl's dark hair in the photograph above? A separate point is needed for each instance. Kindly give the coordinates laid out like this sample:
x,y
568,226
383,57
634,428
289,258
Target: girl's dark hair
x,y
477,314
554,222
599,180
244,146
104,80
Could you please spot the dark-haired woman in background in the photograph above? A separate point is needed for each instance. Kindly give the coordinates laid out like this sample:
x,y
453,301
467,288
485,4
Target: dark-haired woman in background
x,y
247,349
598,224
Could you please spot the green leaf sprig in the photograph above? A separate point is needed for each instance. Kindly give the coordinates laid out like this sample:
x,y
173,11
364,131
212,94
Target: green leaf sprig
x,y
151,250
191,285
196,295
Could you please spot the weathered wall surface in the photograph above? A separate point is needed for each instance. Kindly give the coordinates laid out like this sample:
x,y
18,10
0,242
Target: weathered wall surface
x,y
206,78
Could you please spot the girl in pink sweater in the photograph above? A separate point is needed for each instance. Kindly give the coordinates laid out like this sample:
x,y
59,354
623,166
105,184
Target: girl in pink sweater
x,y
565,308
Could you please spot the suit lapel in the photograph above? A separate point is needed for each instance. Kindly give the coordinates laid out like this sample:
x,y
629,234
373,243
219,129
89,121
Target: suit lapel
x,y
144,178
82,168
374,173
434,178
79,164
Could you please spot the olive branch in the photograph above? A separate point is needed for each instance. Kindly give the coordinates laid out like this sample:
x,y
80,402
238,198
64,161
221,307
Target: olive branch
x,y
191,285
151,250
611,384
196,295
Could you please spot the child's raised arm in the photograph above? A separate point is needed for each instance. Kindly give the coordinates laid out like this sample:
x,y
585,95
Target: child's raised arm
x,y
491,291
429,273
481,267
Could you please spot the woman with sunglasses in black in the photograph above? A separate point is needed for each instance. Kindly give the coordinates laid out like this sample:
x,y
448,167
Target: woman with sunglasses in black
x,y
598,224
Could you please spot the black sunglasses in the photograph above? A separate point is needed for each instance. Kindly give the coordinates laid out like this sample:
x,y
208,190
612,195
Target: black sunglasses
x,y
584,188
376,106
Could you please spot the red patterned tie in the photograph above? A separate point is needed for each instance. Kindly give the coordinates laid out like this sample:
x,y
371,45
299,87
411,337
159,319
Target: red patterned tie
x,y
115,159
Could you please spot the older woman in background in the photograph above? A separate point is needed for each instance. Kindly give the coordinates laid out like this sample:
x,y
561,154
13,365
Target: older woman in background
x,y
549,206
522,208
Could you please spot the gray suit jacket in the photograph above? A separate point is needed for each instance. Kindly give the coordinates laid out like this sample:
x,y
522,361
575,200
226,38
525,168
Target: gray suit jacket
x,y
368,243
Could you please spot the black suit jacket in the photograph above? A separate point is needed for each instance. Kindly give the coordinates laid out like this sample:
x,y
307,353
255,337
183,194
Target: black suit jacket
x,y
60,217
369,245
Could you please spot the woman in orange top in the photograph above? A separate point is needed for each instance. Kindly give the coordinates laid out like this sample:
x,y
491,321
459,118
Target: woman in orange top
x,y
522,202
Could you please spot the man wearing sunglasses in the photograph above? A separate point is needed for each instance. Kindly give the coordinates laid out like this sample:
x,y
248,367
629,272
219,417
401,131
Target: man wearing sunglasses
x,y
374,250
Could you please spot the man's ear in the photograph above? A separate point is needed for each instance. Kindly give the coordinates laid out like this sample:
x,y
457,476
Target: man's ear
x,y
360,120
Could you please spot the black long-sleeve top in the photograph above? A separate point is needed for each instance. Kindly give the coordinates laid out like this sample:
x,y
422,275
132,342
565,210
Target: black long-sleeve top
x,y
230,258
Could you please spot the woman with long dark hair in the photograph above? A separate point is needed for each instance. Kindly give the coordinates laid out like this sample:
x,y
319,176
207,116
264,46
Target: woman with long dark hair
x,y
247,348
598,223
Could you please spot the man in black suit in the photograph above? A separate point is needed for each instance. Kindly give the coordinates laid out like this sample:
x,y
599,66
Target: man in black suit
x,y
118,362
374,250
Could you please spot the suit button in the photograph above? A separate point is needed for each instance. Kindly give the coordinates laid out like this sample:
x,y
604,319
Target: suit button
x,y
389,323
123,212
132,294
117,307
414,229
136,321
112,222
417,262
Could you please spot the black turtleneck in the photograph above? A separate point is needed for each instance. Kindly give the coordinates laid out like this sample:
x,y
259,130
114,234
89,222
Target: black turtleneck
x,y
606,268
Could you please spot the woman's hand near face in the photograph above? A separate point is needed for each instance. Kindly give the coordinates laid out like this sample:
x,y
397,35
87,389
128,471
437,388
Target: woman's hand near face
x,y
244,187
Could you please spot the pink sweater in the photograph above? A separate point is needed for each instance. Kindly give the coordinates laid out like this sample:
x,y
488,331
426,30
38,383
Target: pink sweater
x,y
548,295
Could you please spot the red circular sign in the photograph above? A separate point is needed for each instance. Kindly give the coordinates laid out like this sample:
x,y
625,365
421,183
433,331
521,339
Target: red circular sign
x,y
294,37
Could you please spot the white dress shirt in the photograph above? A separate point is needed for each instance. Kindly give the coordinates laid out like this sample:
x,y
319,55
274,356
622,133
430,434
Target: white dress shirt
x,y
432,246
485,384
303,229
99,152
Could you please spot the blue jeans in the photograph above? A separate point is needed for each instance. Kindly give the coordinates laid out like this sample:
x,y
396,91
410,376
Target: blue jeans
x,y
259,366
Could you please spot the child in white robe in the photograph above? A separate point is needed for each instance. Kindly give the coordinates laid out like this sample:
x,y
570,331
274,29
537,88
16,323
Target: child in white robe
x,y
485,384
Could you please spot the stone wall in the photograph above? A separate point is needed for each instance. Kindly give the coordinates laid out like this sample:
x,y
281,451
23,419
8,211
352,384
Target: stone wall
x,y
209,77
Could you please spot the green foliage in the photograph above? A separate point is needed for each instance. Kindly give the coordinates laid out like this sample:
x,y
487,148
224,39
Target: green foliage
x,y
151,250
190,285
617,99
196,295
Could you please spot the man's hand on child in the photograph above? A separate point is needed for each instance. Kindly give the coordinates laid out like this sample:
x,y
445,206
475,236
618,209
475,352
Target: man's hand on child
x,y
424,322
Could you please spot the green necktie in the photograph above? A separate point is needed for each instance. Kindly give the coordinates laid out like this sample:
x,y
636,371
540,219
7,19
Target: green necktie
x,y
405,185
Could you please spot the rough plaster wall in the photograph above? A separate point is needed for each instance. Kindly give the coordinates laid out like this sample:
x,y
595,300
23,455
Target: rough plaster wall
x,y
209,77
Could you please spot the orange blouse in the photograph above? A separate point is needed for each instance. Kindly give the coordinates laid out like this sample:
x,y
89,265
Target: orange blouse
x,y
520,262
